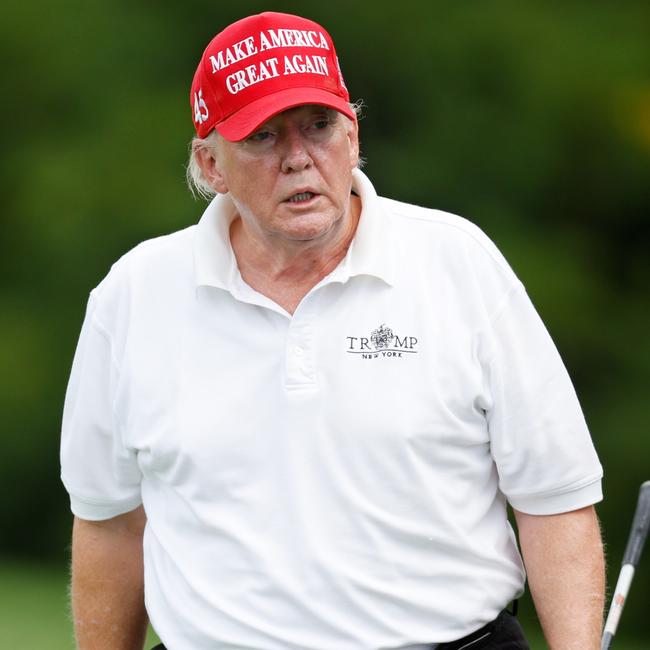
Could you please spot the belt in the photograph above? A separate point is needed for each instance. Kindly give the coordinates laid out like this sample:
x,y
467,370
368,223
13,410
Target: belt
x,y
466,643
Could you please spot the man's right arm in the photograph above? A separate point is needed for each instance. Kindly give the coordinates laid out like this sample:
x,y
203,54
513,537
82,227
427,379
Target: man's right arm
x,y
108,582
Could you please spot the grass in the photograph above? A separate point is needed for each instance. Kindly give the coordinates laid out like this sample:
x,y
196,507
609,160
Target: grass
x,y
34,612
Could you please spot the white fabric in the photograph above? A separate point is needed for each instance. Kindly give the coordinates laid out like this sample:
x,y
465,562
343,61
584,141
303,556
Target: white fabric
x,y
308,484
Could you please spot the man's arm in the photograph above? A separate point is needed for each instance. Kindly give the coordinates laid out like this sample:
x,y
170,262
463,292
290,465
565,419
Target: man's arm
x,y
108,583
564,561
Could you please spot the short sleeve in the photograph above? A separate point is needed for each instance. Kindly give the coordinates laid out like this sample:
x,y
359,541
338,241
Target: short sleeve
x,y
101,475
539,439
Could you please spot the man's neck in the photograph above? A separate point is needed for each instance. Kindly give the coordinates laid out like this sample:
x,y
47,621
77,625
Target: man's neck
x,y
285,273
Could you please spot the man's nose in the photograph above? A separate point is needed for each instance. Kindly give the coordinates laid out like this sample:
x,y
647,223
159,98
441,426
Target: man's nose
x,y
296,156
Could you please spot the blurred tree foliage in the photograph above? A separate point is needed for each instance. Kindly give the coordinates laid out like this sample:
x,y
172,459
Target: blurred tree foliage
x,y
531,119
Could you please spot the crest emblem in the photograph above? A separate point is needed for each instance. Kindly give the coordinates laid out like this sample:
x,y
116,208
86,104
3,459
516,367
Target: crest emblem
x,y
382,337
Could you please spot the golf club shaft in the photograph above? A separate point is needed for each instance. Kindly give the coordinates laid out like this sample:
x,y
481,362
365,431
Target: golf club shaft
x,y
633,550
620,594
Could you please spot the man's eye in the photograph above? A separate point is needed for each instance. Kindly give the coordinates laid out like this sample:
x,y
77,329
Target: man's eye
x,y
321,124
260,136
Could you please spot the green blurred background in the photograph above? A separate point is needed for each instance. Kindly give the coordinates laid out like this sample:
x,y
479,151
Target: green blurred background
x,y
531,119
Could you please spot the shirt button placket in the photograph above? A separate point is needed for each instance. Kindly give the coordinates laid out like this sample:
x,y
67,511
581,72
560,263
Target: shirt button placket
x,y
299,349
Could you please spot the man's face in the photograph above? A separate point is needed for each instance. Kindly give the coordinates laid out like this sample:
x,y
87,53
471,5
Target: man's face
x,y
291,179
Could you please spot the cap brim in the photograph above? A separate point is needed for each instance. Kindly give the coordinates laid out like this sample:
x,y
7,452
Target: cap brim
x,y
242,123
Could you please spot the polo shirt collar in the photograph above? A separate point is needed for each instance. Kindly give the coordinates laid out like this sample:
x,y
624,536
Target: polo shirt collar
x,y
214,260
369,253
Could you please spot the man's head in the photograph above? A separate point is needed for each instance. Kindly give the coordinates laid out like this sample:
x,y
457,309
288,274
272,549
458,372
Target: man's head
x,y
275,128
291,178
263,65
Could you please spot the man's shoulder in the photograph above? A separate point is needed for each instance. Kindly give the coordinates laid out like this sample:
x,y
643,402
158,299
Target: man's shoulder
x,y
164,250
423,226
150,266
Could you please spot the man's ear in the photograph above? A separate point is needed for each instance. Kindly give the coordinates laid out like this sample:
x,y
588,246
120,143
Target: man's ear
x,y
207,160
353,136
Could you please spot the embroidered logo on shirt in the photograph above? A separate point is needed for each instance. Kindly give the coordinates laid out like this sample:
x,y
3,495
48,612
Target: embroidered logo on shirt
x,y
382,343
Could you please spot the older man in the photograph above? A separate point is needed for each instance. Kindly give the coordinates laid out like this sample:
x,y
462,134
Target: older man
x,y
297,424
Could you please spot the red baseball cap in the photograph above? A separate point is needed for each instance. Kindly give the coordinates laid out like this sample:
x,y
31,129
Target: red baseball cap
x,y
263,65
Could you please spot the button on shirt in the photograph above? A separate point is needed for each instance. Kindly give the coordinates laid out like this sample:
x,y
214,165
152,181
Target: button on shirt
x,y
335,478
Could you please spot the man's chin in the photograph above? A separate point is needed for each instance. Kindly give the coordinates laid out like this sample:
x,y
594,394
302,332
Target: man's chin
x,y
307,230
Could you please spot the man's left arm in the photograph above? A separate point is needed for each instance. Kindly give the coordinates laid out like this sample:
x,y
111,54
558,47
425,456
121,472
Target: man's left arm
x,y
565,564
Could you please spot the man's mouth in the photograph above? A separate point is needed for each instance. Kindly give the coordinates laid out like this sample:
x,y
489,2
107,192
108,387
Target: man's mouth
x,y
301,197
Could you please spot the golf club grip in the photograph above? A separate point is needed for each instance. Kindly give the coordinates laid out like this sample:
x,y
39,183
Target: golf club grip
x,y
640,526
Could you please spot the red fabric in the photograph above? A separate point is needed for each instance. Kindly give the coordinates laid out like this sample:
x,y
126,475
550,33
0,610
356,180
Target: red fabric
x,y
260,66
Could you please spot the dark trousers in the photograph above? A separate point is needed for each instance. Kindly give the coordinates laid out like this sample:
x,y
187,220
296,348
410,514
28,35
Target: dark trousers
x,y
503,633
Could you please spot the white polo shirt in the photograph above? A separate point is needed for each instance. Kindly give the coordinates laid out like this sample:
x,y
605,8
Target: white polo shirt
x,y
336,478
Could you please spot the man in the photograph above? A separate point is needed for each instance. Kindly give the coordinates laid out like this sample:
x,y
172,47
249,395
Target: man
x,y
297,424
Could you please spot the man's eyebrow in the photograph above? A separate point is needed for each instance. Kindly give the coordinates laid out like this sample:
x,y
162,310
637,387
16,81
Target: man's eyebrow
x,y
331,113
